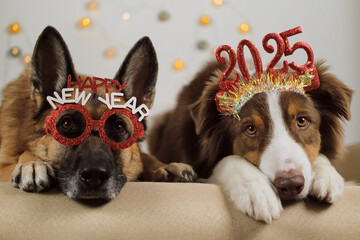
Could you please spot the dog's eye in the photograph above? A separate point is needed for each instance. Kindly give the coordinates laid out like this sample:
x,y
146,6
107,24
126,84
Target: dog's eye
x,y
67,124
71,125
302,122
250,130
118,126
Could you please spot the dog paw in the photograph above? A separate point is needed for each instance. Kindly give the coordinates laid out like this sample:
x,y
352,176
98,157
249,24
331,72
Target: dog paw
x,y
32,176
249,189
258,200
174,172
327,184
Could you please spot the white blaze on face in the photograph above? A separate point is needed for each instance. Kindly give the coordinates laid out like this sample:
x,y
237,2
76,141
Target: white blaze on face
x,y
283,152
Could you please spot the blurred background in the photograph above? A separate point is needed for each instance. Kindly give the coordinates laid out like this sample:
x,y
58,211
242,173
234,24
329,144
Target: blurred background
x,y
185,34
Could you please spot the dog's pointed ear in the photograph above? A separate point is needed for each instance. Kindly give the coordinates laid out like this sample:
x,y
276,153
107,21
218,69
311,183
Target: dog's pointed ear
x,y
139,70
333,100
51,64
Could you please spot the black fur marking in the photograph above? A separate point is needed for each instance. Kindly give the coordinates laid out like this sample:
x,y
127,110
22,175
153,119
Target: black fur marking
x,y
95,133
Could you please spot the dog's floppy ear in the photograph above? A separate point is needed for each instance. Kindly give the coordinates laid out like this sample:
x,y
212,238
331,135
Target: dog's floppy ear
x,y
204,108
140,69
196,112
51,64
333,100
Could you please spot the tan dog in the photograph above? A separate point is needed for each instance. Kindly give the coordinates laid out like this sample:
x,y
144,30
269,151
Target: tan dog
x,y
91,169
280,149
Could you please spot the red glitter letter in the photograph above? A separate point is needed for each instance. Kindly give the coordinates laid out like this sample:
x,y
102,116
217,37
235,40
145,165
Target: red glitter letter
x,y
225,84
241,59
279,52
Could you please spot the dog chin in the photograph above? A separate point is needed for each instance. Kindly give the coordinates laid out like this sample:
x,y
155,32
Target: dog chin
x,y
90,197
87,196
300,196
75,189
104,195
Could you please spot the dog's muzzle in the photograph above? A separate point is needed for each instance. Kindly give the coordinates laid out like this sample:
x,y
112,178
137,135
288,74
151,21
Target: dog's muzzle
x,y
91,173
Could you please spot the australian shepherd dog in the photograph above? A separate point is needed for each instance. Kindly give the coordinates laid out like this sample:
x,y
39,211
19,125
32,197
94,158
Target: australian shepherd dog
x,y
281,149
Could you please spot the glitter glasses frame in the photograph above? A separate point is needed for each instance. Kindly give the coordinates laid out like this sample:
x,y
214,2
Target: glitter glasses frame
x,y
90,124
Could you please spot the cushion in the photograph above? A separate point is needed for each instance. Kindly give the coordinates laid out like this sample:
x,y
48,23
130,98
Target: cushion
x,y
146,210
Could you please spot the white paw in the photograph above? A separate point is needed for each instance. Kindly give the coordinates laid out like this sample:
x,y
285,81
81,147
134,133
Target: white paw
x,y
32,176
248,188
257,199
327,184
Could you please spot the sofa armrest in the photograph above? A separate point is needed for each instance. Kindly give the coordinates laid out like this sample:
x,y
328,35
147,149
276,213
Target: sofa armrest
x,y
349,167
145,210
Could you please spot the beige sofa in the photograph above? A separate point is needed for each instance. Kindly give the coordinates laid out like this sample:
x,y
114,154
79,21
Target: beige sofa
x,y
145,210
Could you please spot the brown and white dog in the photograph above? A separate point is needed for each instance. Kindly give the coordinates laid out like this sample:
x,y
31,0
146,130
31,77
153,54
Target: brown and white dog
x,y
281,148
31,157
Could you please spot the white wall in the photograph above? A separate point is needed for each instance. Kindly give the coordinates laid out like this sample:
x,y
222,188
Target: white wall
x,y
331,27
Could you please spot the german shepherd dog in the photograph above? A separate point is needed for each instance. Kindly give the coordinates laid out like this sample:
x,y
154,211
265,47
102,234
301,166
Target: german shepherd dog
x,y
279,150
31,158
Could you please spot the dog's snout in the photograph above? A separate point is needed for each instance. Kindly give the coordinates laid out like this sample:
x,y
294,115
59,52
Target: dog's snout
x,y
94,164
289,183
94,177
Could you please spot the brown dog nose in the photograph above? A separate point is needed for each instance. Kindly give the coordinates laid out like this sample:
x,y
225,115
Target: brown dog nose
x,y
289,183
94,177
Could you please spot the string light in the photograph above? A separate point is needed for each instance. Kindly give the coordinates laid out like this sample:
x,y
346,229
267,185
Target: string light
x,y
218,3
202,45
244,28
14,28
205,20
27,59
85,22
92,5
178,64
163,16
110,52
15,51
126,16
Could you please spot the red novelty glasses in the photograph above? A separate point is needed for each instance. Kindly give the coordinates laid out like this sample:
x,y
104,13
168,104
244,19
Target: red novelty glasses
x,y
71,124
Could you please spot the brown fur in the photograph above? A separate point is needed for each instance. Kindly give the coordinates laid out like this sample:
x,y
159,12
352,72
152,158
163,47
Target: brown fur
x,y
24,139
332,99
23,112
16,112
197,134
294,106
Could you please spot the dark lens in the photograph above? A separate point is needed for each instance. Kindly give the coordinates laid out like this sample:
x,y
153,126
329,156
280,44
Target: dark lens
x,y
71,124
118,128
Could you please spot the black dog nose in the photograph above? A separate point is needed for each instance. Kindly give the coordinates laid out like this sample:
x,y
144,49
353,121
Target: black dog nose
x,y
289,183
94,177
